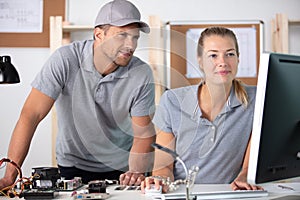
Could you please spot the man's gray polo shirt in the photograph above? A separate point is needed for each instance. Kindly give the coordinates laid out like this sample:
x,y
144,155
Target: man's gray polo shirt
x,y
217,147
94,112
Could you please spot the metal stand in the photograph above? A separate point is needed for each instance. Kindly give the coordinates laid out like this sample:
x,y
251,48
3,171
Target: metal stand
x,y
189,175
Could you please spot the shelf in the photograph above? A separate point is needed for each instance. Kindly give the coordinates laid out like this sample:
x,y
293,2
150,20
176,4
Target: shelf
x,y
72,28
294,22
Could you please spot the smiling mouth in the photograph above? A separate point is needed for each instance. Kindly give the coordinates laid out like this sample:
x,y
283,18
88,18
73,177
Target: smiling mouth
x,y
223,73
125,54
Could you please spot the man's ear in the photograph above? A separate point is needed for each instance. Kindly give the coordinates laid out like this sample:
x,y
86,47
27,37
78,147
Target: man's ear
x,y
98,33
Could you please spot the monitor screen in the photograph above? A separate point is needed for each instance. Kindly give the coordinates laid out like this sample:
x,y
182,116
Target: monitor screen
x,y
275,144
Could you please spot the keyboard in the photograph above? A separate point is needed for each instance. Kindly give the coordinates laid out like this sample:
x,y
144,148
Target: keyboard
x,y
237,194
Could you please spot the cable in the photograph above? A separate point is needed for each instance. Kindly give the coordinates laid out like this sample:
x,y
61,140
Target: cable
x,y
10,191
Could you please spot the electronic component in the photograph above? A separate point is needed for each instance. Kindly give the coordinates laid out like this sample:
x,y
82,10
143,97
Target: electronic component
x,y
69,185
91,196
49,178
45,177
97,186
39,194
126,187
96,190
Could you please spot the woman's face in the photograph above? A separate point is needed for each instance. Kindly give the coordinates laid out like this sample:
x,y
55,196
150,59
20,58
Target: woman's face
x,y
219,60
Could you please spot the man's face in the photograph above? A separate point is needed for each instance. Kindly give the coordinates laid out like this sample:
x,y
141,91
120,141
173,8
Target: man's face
x,y
119,43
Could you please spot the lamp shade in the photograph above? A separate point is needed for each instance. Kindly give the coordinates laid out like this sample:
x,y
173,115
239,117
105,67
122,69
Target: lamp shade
x,y
8,73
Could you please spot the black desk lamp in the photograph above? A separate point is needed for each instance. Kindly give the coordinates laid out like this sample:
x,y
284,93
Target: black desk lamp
x,y
8,73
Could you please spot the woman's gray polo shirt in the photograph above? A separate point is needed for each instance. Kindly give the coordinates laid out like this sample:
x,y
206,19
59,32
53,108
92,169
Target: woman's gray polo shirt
x,y
94,112
217,147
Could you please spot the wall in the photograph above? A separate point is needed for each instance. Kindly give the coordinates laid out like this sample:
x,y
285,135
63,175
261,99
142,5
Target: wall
x,y
29,60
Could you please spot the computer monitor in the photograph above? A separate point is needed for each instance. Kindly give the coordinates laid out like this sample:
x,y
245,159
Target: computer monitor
x,y
275,145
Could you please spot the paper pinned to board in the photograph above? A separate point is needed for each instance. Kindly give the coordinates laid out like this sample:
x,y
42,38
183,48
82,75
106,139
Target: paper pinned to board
x,y
21,16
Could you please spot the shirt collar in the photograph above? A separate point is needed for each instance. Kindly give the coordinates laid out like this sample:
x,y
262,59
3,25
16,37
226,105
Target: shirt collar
x,y
233,101
190,103
87,60
122,72
191,106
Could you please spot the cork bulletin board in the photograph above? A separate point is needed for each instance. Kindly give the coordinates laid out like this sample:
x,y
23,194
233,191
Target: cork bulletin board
x,y
50,8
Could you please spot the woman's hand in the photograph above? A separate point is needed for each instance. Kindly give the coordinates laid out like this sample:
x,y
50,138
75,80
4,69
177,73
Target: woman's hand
x,y
157,181
240,183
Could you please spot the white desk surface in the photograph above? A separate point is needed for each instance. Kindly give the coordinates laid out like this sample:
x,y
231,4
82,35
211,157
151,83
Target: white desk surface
x,y
273,189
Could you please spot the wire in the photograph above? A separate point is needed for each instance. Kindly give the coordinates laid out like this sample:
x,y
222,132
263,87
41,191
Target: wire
x,y
13,163
10,191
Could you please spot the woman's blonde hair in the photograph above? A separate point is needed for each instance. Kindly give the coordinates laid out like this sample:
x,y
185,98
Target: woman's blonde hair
x,y
240,91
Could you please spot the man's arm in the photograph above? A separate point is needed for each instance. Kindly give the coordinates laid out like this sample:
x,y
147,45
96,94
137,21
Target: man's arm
x,y
36,107
141,153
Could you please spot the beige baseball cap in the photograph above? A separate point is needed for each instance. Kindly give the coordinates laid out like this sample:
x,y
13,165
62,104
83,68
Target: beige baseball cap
x,y
120,13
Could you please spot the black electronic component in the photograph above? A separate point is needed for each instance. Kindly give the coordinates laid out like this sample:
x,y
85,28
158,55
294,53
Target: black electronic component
x,y
39,194
97,186
45,177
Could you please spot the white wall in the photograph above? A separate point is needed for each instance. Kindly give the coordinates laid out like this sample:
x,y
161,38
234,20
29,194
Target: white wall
x,y
29,60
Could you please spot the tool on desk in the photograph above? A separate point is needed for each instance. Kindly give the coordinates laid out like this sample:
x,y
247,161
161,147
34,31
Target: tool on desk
x,y
286,187
189,175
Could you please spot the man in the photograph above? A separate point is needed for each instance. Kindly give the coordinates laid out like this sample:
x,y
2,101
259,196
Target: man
x,y
104,98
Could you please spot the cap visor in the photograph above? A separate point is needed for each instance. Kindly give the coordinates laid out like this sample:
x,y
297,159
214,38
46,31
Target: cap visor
x,y
143,26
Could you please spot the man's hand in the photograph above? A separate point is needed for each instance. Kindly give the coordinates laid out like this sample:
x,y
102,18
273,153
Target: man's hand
x,y
5,183
131,178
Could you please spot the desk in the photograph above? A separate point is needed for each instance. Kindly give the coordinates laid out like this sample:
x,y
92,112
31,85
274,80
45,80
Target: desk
x,y
273,189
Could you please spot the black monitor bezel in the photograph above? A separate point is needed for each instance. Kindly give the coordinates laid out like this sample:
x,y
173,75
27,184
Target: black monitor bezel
x,y
273,155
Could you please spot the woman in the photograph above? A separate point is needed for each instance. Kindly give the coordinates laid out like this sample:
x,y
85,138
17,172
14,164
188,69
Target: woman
x,y
208,125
